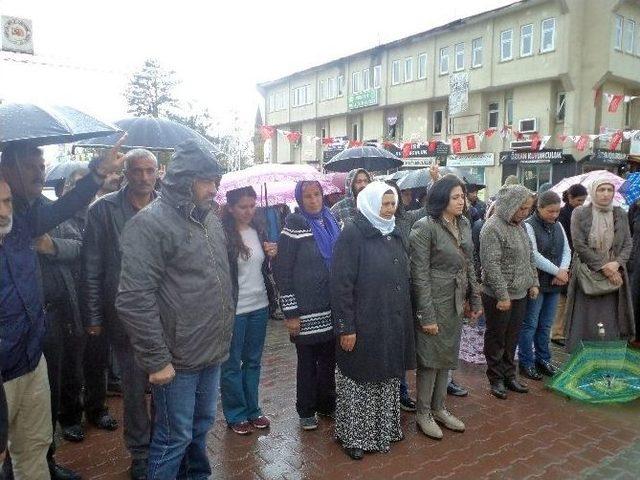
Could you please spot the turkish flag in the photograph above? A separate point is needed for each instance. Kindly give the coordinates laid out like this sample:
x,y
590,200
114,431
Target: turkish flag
x,y
456,145
432,146
616,138
267,132
535,142
293,137
471,142
406,150
489,132
582,142
327,140
615,102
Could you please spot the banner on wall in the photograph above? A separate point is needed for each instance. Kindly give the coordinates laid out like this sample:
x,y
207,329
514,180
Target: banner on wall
x,y
458,93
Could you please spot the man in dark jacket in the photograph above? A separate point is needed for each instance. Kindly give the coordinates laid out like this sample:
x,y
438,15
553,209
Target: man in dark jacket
x,y
22,365
101,260
345,210
176,301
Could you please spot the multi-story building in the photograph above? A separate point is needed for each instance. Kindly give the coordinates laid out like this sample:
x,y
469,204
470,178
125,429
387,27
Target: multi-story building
x,y
540,67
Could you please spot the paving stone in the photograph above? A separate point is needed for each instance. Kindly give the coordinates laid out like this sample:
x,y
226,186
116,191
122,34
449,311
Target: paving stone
x,y
537,435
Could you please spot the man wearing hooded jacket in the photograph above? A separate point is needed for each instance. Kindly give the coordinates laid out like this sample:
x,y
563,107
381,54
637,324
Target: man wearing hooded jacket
x,y
345,210
176,301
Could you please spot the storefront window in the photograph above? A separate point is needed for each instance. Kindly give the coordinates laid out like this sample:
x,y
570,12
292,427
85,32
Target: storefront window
x,y
534,175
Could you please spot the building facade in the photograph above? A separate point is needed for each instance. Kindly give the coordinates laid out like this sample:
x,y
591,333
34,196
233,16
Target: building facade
x,y
533,68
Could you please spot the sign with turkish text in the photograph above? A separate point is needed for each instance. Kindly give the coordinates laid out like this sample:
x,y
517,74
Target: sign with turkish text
x,y
608,156
458,93
539,156
420,150
471,160
368,98
17,35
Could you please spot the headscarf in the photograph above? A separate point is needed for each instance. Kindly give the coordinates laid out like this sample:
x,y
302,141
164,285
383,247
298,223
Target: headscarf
x,y
602,228
323,225
369,203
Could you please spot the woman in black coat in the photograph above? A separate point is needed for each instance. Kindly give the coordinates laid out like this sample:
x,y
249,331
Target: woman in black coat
x,y
372,315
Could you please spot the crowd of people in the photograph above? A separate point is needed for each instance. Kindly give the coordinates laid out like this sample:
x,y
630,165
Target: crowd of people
x,y
371,289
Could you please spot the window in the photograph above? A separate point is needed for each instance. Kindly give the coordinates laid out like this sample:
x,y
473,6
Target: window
x,y
628,38
377,73
534,175
526,40
272,103
280,101
332,87
506,45
508,111
408,69
356,82
322,95
561,106
548,35
301,96
366,76
618,39
340,81
308,97
323,133
422,66
493,115
476,52
458,56
395,72
444,60
354,131
437,122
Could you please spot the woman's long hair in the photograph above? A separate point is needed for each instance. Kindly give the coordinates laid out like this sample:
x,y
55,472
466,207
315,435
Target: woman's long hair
x,y
575,190
234,239
440,194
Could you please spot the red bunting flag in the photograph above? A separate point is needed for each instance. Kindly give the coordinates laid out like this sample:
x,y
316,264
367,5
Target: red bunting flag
x,y
471,142
582,142
432,146
518,135
535,142
489,132
267,132
614,102
293,137
355,143
327,140
456,145
406,150
616,138
562,137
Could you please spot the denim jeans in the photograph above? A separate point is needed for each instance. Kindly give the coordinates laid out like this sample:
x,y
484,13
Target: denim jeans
x,y
185,410
240,374
536,329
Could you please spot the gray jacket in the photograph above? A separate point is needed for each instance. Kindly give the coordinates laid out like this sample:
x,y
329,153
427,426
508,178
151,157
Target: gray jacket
x,y
175,294
506,256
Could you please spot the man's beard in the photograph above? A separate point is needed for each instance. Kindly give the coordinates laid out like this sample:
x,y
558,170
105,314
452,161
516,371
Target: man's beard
x,y
5,229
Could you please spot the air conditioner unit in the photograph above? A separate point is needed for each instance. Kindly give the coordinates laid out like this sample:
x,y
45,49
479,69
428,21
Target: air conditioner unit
x,y
528,125
521,145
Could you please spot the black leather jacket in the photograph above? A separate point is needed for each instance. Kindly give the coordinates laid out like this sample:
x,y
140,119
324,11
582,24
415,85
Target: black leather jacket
x,y
101,257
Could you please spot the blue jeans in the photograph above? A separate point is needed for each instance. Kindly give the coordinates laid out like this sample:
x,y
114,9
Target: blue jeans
x,y
536,329
240,375
185,410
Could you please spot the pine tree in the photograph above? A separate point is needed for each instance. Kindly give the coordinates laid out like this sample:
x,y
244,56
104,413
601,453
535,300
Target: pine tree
x,y
150,90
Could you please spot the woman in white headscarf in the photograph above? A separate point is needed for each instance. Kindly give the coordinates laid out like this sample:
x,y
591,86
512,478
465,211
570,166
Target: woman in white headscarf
x,y
371,304
602,242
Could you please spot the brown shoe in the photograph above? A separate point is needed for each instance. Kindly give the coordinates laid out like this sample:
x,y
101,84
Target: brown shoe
x,y
241,428
261,422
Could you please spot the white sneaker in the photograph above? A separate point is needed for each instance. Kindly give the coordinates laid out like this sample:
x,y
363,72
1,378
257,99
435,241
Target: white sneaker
x,y
449,421
429,426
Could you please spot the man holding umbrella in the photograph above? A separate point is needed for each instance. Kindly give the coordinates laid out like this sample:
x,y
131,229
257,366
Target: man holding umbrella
x,y
22,365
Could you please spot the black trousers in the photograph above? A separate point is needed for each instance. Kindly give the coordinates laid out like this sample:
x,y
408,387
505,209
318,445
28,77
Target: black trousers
x,y
83,381
316,384
501,337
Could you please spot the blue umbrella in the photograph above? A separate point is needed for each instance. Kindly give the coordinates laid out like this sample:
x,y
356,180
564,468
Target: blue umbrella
x,y
40,125
152,133
630,189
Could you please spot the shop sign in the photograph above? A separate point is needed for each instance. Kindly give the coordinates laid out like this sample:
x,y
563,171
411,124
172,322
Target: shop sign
x,y
608,156
471,160
421,150
368,98
539,156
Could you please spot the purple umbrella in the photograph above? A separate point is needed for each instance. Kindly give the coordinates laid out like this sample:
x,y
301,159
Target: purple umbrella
x,y
587,179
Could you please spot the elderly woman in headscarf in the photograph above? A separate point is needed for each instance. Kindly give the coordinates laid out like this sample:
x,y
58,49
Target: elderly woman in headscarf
x,y
302,272
602,242
371,304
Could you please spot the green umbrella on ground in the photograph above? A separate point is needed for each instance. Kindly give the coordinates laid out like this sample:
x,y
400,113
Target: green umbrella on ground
x,y
600,372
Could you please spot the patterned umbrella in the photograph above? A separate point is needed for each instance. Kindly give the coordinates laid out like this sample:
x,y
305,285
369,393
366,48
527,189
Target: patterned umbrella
x,y
600,372
587,179
630,189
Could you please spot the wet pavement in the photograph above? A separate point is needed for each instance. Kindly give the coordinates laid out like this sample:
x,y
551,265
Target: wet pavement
x,y
539,435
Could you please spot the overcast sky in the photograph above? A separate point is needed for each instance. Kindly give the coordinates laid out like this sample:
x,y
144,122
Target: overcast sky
x,y
220,50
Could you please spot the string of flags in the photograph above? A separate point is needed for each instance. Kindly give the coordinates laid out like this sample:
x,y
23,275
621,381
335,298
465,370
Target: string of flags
x,y
471,142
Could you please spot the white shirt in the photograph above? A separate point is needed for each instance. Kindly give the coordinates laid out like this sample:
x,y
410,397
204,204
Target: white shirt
x,y
252,293
544,263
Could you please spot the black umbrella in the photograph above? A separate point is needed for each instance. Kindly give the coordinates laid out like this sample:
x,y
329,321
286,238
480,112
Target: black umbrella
x,y
372,159
152,133
39,125
62,171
